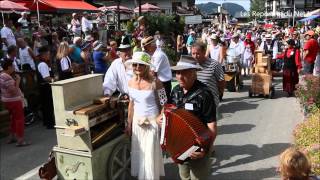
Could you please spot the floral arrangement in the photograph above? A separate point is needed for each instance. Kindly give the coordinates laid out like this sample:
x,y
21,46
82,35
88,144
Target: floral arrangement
x,y
307,138
307,133
308,93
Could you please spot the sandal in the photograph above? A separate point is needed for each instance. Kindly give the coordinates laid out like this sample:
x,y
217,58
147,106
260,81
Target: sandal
x,y
11,141
24,143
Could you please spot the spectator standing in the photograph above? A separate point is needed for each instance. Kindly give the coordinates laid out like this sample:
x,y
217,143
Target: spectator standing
x,y
86,25
26,56
295,165
160,62
76,25
45,77
100,58
118,75
211,73
101,27
311,49
291,68
64,65
143,115
12,98
191,40
195,97
7,36
19,33
25,24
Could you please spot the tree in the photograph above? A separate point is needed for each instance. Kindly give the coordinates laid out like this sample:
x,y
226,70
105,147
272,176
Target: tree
x,y
257,6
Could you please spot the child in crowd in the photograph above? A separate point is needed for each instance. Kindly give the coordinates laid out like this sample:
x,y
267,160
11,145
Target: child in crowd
x,y
45,77
294,165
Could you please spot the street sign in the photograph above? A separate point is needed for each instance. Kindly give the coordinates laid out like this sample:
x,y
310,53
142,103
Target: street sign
x,y
193,19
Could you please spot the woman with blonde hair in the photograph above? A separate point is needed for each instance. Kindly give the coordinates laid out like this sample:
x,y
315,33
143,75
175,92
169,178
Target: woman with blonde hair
x,y
144,119
294,165
63,61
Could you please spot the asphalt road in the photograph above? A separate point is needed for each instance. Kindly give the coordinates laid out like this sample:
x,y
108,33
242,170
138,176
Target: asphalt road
x,y
252,133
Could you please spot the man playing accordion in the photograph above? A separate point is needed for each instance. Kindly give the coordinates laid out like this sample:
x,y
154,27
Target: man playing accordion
x,y
195,97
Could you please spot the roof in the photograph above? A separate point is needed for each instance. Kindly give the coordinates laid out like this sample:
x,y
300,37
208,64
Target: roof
x,y
60,6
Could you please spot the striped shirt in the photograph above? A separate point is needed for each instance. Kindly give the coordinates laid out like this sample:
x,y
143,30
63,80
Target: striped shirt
x,y
210,75
9,91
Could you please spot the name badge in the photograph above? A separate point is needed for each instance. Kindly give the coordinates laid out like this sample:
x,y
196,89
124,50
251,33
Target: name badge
x,y
188,106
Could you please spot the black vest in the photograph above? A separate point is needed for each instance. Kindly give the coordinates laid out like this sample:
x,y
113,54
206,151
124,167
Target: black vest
x,y
290,62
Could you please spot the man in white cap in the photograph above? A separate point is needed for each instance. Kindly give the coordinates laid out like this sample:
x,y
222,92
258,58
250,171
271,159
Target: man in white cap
x,y
86,25
195,97
118,75
160,62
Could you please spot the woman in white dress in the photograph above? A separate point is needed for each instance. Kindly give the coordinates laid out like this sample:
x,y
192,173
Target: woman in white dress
x,y
144,120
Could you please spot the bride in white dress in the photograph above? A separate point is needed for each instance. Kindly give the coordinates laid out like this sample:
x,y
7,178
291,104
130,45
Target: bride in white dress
x,y
143,118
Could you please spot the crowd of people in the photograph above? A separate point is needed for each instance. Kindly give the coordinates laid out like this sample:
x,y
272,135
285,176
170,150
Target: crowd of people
x,y
140,69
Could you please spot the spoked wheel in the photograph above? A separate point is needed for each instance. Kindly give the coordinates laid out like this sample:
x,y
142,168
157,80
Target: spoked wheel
x,y
119,163
271,93
250,92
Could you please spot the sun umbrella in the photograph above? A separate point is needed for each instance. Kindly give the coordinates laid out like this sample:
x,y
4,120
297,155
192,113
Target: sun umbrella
x,y
115,8
148,8
9,7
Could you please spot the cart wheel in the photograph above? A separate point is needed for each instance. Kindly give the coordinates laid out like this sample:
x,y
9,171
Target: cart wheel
x,y
271,93
250,93
118,167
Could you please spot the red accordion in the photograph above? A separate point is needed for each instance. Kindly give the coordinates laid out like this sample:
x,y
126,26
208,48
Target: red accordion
x,y
183,133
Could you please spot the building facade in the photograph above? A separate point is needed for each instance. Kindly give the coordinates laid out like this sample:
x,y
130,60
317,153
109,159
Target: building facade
x,y
167,6
276,8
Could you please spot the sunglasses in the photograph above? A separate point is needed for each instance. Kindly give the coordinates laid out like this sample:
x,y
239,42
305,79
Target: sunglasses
x,y
136,65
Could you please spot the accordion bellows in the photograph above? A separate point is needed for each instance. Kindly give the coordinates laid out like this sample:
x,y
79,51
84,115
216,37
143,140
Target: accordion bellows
x,y
183,131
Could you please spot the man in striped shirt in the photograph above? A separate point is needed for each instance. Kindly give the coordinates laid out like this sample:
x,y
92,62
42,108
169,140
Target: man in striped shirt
x,y
211,74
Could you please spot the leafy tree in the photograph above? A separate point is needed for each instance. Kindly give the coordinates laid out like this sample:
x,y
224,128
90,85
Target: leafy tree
x,y
257,6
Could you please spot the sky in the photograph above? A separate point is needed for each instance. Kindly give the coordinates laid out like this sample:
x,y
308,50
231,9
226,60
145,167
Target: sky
x,y
244,3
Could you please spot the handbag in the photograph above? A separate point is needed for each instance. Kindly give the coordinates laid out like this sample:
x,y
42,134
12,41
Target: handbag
x,y
49,170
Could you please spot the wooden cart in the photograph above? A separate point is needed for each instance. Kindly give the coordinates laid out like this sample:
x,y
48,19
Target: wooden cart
x,y
261,77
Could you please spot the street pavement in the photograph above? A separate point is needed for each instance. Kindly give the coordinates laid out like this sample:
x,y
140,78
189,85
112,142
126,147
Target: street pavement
x,y
251,135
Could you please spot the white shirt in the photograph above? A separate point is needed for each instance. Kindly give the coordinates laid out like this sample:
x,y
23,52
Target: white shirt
x,y
161,65
76,26
44,70
86,24
215,52
6,33
25,57
274,48
237,47
116,78
23,21
65,63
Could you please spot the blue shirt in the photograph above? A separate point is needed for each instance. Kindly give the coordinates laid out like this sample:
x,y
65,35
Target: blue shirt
x,y
190,40
99,63
76,55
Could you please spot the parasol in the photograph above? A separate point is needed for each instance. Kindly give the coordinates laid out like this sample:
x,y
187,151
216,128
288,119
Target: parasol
x,y
10,7
148,8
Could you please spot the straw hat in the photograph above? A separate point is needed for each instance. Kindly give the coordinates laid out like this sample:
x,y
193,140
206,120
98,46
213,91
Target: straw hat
x,y
139,58
186,62
146,41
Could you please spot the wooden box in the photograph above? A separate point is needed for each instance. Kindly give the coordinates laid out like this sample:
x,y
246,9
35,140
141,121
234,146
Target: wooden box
x,y
261,83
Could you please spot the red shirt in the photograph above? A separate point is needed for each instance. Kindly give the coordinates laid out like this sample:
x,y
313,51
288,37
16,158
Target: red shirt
x,y
313,47
296,58
251,44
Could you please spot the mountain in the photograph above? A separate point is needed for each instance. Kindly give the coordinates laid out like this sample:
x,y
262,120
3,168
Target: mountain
x,y
211,7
